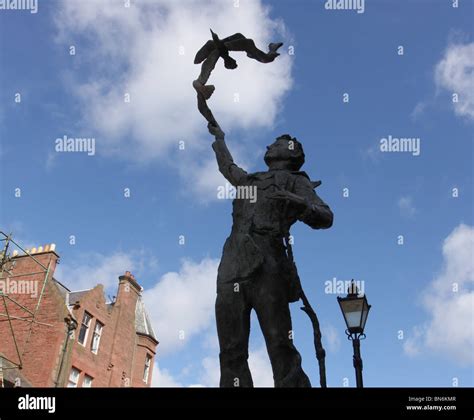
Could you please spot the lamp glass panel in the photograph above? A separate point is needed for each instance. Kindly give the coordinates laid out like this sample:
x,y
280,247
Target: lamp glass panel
x,y
352,310
365,313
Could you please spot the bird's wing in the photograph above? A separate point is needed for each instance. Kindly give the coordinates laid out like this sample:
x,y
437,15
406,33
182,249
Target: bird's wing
x,y
234,37
242,44
204,52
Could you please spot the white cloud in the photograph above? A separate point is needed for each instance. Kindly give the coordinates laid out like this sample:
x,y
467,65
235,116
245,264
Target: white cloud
x,y
211,371
411,346
418,111
88,270
205,175
210,341
331,338
179,301
136,50
455,73
259,365
261,368
162,378
372,153
406,206
449,302
50,160
181,304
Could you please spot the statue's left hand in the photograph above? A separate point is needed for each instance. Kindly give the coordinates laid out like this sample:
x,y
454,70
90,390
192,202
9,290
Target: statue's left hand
x,y
287,195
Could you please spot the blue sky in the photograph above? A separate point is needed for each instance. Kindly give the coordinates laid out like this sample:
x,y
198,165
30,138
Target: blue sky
x,y
173,192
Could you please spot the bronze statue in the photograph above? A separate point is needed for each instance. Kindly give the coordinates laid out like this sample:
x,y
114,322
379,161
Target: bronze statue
x,y
215,49
257,270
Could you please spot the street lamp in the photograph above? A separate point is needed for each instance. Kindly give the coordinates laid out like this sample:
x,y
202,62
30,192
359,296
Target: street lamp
x,y
355,310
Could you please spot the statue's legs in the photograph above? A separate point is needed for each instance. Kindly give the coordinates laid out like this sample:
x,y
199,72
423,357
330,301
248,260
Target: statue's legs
x,y
266,291
233,328
270,300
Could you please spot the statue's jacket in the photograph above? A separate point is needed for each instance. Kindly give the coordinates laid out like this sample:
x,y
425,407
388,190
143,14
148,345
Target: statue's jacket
x,y
256,246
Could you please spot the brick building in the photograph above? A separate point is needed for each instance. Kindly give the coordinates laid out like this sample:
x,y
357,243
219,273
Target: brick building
x,y
64,338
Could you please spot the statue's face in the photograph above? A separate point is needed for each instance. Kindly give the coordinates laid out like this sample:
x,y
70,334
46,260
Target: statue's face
x,y
279,150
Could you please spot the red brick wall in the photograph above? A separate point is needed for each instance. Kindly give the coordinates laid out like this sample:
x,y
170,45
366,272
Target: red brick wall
x,y
145,345
120,346
125,335
40,355
120,360
82,358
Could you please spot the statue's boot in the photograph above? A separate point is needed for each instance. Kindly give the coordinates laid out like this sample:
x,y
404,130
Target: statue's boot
x,y
205,90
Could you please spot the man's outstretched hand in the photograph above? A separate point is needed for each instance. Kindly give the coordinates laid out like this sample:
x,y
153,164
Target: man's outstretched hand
x,y
216,131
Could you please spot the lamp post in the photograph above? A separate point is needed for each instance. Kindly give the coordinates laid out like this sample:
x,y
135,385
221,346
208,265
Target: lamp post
x,y
355,310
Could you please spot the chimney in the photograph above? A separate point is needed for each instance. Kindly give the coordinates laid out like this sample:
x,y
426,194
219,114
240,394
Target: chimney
x,y
36,250
22,264
128,288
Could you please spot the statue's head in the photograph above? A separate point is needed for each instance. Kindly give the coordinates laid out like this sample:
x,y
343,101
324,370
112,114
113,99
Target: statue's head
x,y
285,153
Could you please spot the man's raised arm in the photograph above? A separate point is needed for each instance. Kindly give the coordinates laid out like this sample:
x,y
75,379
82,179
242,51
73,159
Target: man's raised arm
x,y
233,173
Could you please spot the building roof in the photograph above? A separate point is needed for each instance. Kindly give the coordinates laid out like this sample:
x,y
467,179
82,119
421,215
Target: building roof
x,y
77,296
63,290
142,320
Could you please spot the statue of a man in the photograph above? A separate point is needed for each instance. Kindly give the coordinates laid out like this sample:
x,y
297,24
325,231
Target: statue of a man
x,y
255,271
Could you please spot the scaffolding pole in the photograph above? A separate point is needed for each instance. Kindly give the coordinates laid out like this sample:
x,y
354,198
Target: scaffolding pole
x,y
6,266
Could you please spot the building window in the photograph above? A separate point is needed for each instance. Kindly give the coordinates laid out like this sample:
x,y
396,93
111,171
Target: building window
x,y
86,322
73,378
96,337
87,382
146,372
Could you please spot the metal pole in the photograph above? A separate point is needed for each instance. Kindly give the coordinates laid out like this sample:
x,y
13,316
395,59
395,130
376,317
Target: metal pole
x,y
357,361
